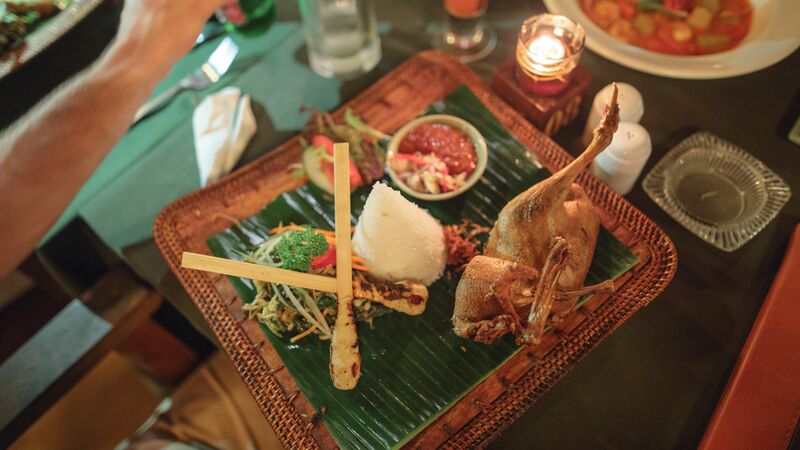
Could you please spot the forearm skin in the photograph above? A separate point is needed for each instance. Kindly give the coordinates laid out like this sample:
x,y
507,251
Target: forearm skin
x,y
47,155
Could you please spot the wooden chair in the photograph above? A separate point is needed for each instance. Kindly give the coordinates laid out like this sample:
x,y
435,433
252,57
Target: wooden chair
x,y
115,313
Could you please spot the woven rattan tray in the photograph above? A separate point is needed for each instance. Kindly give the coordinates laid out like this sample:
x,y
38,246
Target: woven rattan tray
x,y
501,398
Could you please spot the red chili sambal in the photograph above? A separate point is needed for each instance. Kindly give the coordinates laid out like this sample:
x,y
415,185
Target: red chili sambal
x,y
451,145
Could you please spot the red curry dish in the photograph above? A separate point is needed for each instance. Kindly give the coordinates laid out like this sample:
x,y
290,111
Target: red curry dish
x,y
677,27
434,158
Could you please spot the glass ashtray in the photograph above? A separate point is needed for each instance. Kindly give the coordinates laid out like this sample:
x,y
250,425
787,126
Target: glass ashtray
x,y
716,190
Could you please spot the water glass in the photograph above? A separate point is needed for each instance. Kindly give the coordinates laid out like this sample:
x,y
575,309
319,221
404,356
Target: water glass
x,y
341,37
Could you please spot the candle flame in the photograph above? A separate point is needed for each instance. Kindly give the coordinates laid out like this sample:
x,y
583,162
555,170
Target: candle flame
x,y
547,50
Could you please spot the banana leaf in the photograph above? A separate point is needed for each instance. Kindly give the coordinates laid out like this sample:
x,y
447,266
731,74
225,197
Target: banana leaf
x,y
413,368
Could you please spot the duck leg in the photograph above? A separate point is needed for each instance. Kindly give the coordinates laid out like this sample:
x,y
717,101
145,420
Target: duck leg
x,y
545,293
495,296
605,287
487,297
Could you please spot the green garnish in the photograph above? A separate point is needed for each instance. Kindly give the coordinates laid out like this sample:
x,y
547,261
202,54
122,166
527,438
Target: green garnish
x,y
354,121
297,248
656,5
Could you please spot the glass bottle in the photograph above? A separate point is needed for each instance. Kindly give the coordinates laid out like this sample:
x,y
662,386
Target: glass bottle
x,y
248,17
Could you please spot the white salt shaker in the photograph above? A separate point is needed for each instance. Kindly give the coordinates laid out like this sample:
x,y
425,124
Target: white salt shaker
x,y
631,107
622,162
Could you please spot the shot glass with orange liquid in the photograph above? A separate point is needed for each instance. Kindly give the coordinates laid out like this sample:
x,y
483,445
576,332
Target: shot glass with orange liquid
x,y
465,33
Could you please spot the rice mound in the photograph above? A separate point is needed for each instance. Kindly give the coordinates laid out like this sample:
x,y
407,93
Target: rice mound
x,y
398,239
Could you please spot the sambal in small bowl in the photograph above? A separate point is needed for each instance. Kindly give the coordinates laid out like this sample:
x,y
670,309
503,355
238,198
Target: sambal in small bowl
x,y
436,157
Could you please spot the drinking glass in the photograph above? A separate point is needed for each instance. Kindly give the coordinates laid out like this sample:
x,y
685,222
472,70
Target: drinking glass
x,y
465,33
341,37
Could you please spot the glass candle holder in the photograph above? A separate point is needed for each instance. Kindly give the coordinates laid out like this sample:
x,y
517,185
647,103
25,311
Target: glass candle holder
x,y
548,50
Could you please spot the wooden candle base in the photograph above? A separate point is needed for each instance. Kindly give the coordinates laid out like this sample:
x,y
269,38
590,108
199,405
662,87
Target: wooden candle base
x,y
548,114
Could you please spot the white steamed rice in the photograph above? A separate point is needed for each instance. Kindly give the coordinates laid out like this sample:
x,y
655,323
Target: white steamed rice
x,y
398,239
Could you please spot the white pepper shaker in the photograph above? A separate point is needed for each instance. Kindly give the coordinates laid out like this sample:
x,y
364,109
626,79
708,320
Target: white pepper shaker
x,y
622,162
631,108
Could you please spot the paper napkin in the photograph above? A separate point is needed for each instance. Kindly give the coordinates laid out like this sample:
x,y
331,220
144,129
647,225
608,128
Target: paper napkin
x,y
223,124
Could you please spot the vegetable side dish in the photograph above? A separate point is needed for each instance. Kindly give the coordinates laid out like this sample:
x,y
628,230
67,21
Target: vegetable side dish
x,y
295,313
677,27
366,152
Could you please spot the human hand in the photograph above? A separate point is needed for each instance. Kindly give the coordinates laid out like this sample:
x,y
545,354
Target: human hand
x,y
153,34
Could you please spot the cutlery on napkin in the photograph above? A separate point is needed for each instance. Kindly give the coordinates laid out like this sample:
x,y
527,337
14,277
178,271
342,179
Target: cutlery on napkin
x,y
223,124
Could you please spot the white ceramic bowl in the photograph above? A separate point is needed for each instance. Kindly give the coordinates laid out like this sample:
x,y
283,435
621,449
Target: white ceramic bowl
x,y
481,154
774,35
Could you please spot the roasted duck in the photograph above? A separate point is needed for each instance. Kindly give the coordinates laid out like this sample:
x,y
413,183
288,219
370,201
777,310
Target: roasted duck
x,y
537,256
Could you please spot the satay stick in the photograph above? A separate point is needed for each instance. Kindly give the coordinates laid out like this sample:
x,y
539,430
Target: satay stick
x,y
345,363
258,272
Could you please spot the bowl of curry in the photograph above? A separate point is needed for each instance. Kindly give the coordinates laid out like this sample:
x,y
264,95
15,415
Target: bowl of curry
x,y
690,39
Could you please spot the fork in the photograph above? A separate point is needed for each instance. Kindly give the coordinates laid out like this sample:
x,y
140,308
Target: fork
x,y
209,73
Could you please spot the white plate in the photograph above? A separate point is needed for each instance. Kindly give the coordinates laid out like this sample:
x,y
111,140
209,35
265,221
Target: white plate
x,y
774,35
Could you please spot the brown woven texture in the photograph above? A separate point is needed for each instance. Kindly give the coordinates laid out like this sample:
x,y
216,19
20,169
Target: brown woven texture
x,y
494,404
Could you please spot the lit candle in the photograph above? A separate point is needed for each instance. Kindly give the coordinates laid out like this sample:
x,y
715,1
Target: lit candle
x,y
548,50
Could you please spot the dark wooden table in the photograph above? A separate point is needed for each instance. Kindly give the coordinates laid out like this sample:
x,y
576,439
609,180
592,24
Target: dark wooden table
x,y
656,381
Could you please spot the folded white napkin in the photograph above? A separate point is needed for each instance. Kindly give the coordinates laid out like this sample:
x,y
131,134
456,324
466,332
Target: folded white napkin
x,y
223,125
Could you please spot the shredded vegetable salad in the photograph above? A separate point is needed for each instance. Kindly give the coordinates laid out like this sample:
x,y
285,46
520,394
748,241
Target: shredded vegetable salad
x,y
289,311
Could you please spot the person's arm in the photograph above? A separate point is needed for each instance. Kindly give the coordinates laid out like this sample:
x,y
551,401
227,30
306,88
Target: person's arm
x,y
46,156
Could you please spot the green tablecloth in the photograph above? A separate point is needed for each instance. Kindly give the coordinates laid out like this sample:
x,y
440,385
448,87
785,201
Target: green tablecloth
x,y
155,161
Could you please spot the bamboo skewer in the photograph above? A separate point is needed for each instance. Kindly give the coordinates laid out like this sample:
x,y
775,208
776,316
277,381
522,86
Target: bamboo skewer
x,y
345,362
344,250
258,272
